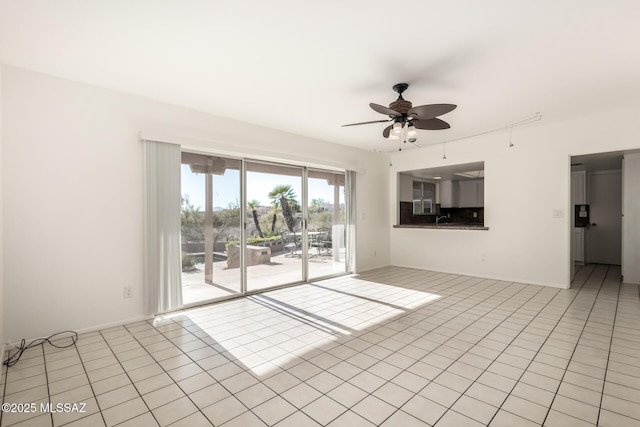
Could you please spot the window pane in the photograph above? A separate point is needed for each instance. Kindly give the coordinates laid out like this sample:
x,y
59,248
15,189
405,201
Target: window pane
x,y
326,228
274,197
210,227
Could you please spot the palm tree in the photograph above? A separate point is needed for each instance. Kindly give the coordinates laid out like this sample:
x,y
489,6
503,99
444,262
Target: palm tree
x,y
253,205
283,196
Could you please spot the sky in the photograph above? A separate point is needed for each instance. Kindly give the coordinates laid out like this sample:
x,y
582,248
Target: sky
x,y
226,187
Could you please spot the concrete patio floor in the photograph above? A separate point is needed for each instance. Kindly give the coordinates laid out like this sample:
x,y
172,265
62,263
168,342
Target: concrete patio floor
x,y
282,269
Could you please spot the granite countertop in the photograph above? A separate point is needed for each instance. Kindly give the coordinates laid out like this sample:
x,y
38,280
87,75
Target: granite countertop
x,y
444,226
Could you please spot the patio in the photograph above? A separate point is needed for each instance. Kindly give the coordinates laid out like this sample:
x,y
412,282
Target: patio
x,y
282,269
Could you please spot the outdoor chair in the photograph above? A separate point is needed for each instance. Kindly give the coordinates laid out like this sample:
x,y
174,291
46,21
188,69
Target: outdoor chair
x,y
291,242
321,241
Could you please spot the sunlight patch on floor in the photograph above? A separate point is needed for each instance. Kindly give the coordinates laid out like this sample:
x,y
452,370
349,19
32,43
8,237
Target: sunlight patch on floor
x,y
277,329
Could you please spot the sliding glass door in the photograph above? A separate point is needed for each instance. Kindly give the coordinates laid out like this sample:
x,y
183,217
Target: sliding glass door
x,y
249,225
326,223
275,251
210,227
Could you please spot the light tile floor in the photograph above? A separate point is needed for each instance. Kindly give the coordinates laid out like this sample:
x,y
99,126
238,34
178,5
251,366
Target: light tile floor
x,y
392,347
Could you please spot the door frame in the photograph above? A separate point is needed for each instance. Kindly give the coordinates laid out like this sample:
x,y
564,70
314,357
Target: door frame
x,y
571,271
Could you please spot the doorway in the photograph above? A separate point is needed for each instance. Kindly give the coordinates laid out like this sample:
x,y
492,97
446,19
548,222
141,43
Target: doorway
x,y
596,209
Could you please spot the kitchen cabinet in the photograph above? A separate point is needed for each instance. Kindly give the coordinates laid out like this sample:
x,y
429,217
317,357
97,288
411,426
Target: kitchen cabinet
x,y
471,193
446,193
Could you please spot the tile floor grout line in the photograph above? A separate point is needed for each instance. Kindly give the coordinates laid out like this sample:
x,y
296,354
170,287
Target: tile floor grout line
x,y
586,321
46,375
469,286
464,289
559,320
175,382
462,330
130,380
86,373
4,386
568,305
445,297
606,368
495,359
501,352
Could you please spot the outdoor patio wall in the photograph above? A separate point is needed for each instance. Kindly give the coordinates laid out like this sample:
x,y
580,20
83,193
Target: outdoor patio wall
x,y
525,185
73,195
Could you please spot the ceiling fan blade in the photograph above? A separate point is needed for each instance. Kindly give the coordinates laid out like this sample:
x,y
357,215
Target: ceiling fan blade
x,y
387,131
366,123
384,110
430,124
425,112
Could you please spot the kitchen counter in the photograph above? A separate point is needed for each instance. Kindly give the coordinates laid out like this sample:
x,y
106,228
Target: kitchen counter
x,y
444,226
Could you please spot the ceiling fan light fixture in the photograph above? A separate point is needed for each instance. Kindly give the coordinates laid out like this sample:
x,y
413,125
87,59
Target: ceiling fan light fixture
x,y
412,133
397,129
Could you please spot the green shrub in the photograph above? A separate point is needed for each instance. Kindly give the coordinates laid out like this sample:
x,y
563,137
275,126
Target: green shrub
x,y
188,261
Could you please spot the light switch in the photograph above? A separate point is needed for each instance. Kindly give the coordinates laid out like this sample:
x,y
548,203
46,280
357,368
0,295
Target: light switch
x,y
558,213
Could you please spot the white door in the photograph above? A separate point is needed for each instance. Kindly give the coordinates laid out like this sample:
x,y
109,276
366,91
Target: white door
x,y
605,232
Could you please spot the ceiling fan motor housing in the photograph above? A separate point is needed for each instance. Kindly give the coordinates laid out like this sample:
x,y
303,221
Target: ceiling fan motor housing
x,y
401,105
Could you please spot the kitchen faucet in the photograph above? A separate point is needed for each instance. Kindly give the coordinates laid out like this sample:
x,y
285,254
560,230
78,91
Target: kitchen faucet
x,y
438,218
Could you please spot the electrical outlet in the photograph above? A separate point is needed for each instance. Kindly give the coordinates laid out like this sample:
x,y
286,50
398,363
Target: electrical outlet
x,y
483,257
128,291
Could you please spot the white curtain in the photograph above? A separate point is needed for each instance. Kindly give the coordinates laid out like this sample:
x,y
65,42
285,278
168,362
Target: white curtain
x,y
350,198
163,263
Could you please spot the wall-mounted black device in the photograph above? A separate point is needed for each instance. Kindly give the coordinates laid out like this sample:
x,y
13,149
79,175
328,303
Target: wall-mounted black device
x,y
582,215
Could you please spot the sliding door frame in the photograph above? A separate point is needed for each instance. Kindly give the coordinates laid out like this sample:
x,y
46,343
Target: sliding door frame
x,y
244,223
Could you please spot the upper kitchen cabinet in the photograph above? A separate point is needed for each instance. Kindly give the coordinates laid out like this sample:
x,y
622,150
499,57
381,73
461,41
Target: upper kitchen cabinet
x,y
448,193
471,193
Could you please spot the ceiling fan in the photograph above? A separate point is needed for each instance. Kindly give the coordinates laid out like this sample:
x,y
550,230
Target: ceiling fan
x,y
405,116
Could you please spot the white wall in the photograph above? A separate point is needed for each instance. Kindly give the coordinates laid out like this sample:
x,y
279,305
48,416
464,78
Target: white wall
x,y
73,195
524,185
631,219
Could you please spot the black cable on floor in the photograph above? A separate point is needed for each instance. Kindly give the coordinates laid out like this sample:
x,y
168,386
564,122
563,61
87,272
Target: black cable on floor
x,y
13,359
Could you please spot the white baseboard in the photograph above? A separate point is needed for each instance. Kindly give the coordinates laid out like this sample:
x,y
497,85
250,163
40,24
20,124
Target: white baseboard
x,y
376,267
113,324
93,328
488,276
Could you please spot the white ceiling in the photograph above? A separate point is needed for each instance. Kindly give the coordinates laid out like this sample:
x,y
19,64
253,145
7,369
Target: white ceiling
x,y
307,68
